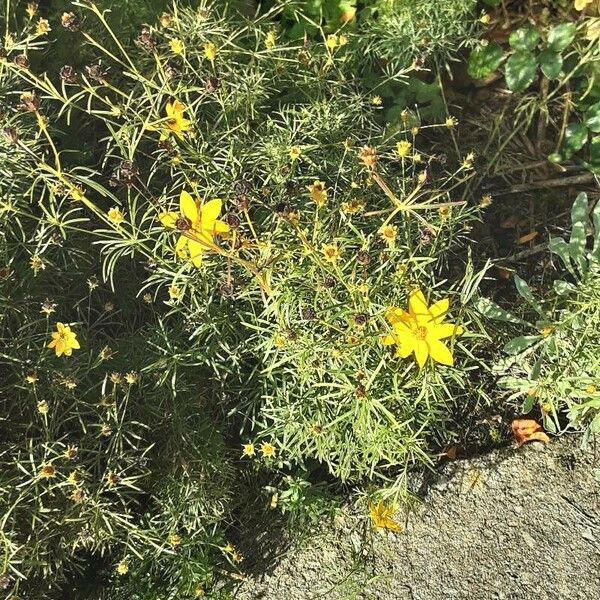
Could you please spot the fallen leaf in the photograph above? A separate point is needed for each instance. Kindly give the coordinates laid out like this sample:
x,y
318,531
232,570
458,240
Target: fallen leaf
x,y
452,452
528,430
527,237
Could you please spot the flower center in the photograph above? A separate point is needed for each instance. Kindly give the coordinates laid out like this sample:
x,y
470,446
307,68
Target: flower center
x,y
172,122
420,333
183,224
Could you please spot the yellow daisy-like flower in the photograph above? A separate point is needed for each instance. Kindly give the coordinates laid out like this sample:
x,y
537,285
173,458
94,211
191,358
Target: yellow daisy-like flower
x,y
376,101
175,122
175,540
198,225
403,148
248,449
381,516
42,27
64,341
318,193
295,153
43,407
332,41
210,51
267,450
47,471
123,567
421,329
388,233
115,216
331,252
176,46
591,389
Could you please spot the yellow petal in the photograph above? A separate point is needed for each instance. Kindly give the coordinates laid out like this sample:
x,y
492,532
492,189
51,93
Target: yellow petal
x,y
75,344
445,330
60,327
417,306
168,219
440,353
196,249
178,108
405,348
209,212
421,352
169,109
181,245
394,315
220,227
388,340
439,309
188,207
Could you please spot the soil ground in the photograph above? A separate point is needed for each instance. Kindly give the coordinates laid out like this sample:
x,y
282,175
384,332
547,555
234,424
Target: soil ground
x,y
516,523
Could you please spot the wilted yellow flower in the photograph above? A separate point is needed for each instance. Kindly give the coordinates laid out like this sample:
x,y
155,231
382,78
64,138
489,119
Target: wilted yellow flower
x,y
331,252
36,264
166,20
175,540
112,479
368,156
116,378
31,10
176,46
64,341
582,4
198,225
295,153
77,194
210,51
115,216
42,27
485,201
132,377
388,233
467,162
403,148
43,407
451,122
47,471
267,450
484,18
353,207
381,516
421,329
174,292
271,40
31,378
123,567
318,193
248,449
342,40
71,452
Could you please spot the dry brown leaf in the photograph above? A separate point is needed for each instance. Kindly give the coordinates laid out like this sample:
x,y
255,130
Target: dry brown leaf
x,y
528,430
452,452
527,237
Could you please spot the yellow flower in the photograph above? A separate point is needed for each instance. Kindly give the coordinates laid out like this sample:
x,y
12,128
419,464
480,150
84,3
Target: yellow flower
x,y
403,148
174,292
381,516
331,253
32,378
546,331
388,233
486,201
318,193
175,121
47,471
36,263
198,225
267,450
582,4
467,162
166,20
175,540
64,341
295,153
123,567
271,40
420,330
353,207
115,216
591,389
176,46
342,40
248,449
484,18
332,41
210,51
132,377
42,27
71,452
451,122
77,194
43,407
376,101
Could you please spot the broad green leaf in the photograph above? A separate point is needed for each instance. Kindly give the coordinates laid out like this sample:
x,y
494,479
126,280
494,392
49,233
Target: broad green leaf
x,y
563,288
525,38
596,222
575,137
560,36
521,343
520,70
491,310
579,218
592,117
561,248
484,61
551,63
525,293
528,404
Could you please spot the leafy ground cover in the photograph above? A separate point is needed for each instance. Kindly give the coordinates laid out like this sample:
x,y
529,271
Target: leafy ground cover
x,y
258,259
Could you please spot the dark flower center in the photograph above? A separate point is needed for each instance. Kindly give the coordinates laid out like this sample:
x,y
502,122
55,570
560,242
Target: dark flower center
x,y
183,224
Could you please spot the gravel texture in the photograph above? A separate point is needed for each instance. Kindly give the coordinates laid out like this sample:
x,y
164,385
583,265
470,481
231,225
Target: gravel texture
x,y
516,523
